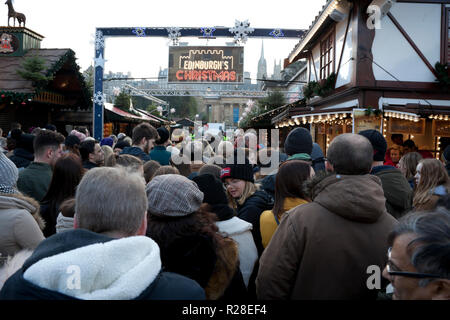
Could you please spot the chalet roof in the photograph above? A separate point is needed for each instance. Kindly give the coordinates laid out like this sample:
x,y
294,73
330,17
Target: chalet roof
x,y
319,21
11,81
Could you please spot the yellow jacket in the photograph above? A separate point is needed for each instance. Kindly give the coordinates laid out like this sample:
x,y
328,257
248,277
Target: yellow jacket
x,y
267,221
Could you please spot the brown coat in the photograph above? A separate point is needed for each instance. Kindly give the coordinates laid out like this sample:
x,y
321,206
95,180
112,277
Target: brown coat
x,y
321,250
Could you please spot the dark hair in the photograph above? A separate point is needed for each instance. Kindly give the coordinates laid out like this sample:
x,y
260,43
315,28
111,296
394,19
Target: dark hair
x,y
289,183
45,139
67,208
350,154
409,144
67,174
171,233
87,147
430,250
150,168
144,130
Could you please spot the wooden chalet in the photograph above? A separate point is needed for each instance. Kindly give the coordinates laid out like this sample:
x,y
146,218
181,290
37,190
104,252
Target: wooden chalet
x,y
377,64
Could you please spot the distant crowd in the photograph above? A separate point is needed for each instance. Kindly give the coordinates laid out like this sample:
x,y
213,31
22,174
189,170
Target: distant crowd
x,y
164,216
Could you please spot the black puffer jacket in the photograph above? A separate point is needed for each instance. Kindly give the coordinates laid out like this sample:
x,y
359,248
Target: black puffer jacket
x,y
251,210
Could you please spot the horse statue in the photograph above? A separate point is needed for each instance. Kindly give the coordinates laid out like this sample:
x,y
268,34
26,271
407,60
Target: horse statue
x,y
15,15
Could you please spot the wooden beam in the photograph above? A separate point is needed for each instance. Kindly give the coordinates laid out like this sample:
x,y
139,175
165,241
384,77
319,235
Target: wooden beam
x,y
412,43
314,65
343,46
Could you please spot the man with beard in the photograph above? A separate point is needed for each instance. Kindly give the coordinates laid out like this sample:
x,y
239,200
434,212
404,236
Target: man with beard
x,y
91,154
35,179
144,136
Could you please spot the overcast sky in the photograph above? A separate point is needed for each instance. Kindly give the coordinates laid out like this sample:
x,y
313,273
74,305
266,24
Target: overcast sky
x,y
71,24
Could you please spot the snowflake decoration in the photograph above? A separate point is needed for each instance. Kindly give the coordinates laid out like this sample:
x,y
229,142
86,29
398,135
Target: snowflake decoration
x,y
241,30
208,32
99,40
99,98
140,32
277,33
174,34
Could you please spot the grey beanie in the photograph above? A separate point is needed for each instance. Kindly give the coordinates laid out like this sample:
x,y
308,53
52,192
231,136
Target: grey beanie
x,y
8,175
173,195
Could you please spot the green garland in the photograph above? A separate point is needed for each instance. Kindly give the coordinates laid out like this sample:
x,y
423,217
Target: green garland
x,y
14,97
370,111
314,88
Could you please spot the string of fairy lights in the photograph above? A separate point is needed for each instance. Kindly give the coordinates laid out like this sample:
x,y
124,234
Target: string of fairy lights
x,y
345,118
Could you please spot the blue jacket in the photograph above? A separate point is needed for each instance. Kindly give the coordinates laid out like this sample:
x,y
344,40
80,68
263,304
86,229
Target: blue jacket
x,y
166,285
160,154
137,152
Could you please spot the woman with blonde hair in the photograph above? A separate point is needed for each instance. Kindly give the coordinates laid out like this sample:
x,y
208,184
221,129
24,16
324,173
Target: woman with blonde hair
x,y
408,164
245,198
432,182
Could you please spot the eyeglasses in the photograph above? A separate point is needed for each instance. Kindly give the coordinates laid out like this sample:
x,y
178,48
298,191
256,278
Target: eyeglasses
x,y
416,275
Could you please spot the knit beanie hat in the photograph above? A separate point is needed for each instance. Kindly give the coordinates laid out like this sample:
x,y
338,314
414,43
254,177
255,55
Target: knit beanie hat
x,y
212,188
237,171
173,195
8,175
107,141
72,140
298,140
163,135
378,142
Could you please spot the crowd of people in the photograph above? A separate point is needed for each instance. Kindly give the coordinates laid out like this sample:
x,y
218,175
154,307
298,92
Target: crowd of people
x,y
163,216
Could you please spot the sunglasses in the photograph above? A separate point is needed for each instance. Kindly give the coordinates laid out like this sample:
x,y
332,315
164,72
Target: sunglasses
x,y
393,272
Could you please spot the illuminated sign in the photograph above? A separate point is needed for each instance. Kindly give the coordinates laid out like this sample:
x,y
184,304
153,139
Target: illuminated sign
x,y
206,64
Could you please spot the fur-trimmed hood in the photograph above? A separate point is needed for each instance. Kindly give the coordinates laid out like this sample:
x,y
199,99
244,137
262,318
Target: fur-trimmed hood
x,y
21,202
226,266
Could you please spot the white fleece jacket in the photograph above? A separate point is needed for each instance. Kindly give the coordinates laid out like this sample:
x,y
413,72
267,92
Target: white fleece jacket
x,y
240,231
116,270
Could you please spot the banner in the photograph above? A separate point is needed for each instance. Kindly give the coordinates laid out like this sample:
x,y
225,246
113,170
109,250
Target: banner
x,y
206,64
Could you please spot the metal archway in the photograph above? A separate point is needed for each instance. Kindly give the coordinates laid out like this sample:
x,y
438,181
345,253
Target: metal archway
x,y
240,32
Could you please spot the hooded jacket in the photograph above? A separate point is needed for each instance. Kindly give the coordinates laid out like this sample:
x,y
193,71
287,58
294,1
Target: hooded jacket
x,y
251,210
20,224
80,264
396,188
137,152
321,250
240,231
